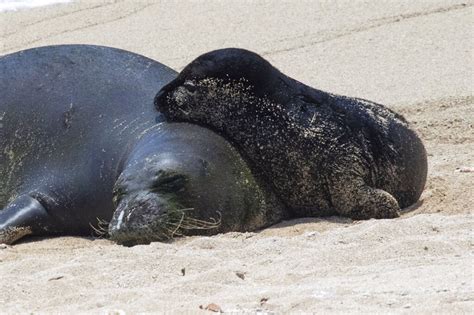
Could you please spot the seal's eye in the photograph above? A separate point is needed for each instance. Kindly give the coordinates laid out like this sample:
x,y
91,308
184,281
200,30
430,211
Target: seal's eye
x,y
168,182
190,86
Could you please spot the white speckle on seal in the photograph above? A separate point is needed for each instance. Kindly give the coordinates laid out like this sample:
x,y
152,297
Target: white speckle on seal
x,y
119,220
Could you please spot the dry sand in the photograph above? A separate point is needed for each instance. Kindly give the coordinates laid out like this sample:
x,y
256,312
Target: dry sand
x,y
413,56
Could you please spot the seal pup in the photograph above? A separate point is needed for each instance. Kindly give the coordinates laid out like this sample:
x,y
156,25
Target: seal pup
x,y
321,153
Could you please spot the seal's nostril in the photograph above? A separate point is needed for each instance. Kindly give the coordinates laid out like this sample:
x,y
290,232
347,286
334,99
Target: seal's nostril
x,y
190,86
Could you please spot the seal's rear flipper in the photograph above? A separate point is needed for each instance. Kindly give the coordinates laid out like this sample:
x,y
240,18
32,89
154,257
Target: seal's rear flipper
x,y
24,216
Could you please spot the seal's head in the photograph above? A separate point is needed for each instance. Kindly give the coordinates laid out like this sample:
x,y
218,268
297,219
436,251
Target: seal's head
x,y
229,64
146,201
183,179
217,85
155,194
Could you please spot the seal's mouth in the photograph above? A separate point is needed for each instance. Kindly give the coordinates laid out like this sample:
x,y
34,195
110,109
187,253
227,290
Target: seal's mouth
x,y
146,218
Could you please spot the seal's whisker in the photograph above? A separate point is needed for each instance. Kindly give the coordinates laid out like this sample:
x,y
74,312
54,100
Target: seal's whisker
x,y
178,225
189,223
102,228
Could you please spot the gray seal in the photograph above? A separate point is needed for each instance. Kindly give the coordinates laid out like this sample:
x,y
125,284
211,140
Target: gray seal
x,y
322,154
81,144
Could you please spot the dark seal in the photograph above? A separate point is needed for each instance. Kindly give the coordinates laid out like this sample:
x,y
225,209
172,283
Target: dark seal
x,y
321,153
81,143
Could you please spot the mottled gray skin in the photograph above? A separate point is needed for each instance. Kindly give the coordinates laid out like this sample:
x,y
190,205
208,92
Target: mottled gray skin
x,y
321,153
81,143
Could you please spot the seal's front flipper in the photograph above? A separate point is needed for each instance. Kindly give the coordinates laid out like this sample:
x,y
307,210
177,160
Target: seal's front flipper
x,y
375,203
24,216
352,197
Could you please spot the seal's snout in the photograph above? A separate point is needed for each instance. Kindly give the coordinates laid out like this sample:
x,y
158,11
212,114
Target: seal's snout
x,y
137,219
180,102
163,97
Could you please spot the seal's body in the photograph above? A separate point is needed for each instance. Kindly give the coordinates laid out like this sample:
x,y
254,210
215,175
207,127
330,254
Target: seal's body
x,y
69,116
321,153
78,131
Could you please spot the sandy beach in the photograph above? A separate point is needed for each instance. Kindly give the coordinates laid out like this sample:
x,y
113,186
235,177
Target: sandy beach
x,y
416,57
